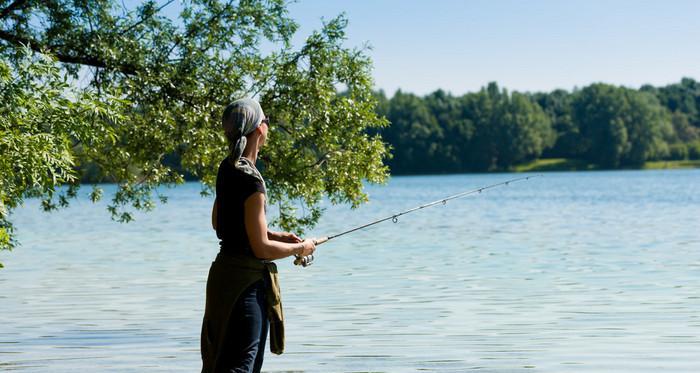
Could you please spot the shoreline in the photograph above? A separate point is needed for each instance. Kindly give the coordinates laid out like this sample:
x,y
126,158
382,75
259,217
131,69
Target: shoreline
x,y
565,164
539,165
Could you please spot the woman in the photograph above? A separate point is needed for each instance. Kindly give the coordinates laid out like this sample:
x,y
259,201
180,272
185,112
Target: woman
x,y
242,290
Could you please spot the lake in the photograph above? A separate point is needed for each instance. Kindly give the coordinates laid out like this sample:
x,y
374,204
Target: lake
x,y
569,272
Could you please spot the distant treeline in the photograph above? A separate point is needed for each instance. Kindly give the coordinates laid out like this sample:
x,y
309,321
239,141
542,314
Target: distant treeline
x,y
605,125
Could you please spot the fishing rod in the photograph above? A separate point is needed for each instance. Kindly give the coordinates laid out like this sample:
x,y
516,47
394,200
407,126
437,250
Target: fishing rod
x,y
308,260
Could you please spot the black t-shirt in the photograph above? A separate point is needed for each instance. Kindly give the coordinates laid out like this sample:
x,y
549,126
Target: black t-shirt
x,y
233,187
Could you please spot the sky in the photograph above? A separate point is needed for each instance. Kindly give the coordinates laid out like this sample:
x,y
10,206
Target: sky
x,y
535,45
420,46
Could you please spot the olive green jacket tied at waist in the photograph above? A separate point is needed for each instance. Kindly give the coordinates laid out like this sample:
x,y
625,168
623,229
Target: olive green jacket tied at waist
x,y
229,276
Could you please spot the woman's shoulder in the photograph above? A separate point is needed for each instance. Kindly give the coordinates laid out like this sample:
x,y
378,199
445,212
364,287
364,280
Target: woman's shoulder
x,y
228,171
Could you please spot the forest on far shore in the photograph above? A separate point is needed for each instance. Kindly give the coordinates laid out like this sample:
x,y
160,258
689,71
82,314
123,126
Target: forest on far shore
x,y
495,130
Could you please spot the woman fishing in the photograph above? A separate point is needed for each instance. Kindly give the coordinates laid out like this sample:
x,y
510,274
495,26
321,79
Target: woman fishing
x,y
242,296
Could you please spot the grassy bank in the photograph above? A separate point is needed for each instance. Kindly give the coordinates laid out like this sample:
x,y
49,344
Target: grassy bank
x,y
660,165
564,164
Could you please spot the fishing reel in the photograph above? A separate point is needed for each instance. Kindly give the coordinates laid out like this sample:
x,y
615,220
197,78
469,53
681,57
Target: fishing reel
x,y
304,261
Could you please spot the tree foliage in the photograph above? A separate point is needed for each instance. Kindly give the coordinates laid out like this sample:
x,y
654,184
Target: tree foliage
x,y
510,128
42,121
619,126
487,130
88,85
492,129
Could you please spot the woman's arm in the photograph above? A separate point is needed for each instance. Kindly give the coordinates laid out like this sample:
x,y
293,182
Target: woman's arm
x,y
256,228
283,236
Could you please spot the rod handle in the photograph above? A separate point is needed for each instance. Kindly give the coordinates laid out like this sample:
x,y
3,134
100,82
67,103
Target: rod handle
x,y
321,240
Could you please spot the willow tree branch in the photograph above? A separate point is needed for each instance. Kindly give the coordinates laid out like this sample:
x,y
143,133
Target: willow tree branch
x,y
144,19
10,8
319,161
191,32
86,60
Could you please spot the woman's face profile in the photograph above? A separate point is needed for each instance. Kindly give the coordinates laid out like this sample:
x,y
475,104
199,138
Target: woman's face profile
x,y
264,127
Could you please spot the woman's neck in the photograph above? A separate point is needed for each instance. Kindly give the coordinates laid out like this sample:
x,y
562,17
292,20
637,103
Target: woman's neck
x,y
251,153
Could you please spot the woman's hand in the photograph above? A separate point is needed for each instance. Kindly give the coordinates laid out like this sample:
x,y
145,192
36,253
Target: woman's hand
x,y
308,247
283,237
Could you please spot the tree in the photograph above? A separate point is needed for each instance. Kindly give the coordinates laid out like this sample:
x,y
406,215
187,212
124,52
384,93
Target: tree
x,y
620,126
42,121
509,128
456,128
154,87
649,128
683,130
683,97
414,133
557,105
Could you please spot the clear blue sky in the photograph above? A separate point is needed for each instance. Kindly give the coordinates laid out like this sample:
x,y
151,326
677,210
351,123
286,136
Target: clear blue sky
x,y
529,45
420,46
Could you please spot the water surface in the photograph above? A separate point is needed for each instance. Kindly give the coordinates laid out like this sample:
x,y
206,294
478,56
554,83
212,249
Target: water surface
x,y
571,272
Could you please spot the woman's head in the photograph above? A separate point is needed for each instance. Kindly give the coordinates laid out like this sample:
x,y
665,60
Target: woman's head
x,y
244,123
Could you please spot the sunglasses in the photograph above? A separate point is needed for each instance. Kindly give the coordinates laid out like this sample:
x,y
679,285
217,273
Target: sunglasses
x,y
266,120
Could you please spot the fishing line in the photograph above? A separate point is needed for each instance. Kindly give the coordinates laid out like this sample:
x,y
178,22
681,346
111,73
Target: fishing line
x,y
308,260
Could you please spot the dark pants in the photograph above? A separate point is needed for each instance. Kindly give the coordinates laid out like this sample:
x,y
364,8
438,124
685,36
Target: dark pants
x,y
245,343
